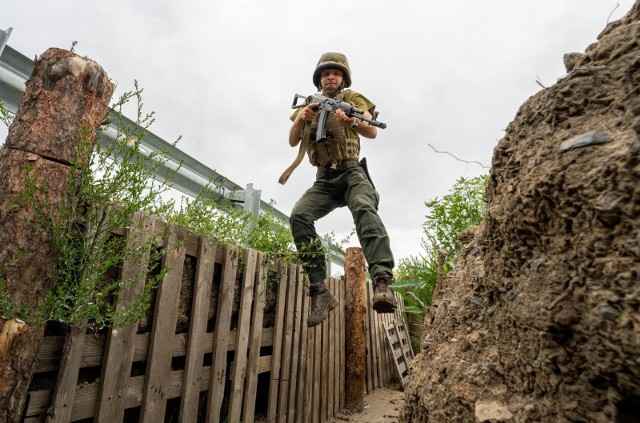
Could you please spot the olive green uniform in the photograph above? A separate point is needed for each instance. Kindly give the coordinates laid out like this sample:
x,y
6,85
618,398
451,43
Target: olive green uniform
x,y
340,181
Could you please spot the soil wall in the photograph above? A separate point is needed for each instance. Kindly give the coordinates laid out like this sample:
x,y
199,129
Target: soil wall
x,y
540,321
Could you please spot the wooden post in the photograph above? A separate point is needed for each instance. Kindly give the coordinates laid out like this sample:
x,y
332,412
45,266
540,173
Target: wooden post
x,y
65,102
355,352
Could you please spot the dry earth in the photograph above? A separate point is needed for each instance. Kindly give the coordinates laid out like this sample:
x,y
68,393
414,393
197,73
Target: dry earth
x,y
381,406
540,320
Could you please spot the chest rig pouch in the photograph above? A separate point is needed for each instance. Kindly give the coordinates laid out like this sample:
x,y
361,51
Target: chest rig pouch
x,y
336,146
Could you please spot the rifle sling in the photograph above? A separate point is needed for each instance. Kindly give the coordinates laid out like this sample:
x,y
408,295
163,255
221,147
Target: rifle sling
x,y
343,96
301,152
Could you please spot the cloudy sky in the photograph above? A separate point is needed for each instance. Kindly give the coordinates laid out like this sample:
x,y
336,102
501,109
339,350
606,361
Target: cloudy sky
x,y
223,74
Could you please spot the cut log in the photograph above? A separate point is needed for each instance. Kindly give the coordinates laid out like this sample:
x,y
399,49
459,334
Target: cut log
x,y
65,102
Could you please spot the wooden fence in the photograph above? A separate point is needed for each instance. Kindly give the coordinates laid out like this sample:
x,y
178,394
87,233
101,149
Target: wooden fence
x,y
225,341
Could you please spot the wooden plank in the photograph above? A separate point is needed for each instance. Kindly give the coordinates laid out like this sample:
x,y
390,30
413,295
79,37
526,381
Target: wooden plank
x,y
308,390
165,317
50,352
324,374
263,365
343,364
302,396
69,366
384,358
119,347
317,373
392,334
244,326
295,344
396,353
399,360
379,369
222,333
337,343
51,348
84,399
85,396
335,334
405,344
197,330
285,368
407,349
376,343
367,330
276,362
338,324
330,353
388,318
392,319
388,353
62,399
372,362
379,345
255,360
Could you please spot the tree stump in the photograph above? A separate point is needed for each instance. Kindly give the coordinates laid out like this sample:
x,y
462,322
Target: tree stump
x,y
65,101
355,339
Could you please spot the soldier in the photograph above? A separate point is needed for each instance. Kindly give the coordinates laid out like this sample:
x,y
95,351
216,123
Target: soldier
x,y
340,180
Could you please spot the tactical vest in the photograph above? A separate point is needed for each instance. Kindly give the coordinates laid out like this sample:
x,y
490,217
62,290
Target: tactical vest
x,y
336,146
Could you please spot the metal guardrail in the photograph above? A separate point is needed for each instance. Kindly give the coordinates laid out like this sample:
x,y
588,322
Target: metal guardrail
x,y
192,176
189,176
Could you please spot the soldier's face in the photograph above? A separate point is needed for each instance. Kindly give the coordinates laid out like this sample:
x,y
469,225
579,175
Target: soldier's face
x,y
331,80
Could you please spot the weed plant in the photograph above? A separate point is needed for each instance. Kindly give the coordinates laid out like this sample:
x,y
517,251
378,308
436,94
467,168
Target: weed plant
x,y
416,277
105,190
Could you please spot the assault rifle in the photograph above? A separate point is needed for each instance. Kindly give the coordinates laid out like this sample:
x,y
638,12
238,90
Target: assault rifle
x,y
330,105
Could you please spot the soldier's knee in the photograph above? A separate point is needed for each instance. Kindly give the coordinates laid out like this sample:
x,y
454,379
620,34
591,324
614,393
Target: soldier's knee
x,y
364,204
301,224
372,230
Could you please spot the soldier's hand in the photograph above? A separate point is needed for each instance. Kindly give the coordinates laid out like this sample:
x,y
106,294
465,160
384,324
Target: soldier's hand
x,y
308,113
344,119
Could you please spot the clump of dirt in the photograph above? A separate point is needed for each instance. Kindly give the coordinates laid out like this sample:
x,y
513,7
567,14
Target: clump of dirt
x,y
540,322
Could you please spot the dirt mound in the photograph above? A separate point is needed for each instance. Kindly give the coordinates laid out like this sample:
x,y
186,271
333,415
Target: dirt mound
x,y
540,322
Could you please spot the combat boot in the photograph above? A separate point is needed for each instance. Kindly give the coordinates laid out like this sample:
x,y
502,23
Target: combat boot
x,y
322,301
383,299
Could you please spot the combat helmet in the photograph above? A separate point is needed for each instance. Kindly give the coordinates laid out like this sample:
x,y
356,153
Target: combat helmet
x,y
336,61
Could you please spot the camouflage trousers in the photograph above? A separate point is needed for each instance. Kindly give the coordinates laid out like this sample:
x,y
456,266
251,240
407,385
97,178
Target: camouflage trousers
x,y
333,189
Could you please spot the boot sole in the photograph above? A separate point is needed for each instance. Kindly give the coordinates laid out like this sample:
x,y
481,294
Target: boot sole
x,y
311,323
384,307
333,305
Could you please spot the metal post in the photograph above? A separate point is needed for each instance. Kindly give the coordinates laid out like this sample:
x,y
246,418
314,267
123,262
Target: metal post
x,y
326,244
251,203
4,37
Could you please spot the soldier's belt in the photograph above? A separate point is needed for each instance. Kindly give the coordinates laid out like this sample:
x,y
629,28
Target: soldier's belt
x,y
339,164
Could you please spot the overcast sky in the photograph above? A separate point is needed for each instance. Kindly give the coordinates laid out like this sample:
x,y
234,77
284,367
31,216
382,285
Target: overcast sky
x,y
223,75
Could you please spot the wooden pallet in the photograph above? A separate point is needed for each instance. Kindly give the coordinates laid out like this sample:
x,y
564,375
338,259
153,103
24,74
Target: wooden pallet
x,y
398,339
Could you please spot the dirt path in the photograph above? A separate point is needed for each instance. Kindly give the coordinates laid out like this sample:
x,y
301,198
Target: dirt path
x,y
381,406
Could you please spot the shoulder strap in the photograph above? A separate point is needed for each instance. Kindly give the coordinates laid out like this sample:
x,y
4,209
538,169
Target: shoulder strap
x,y
346,96
301,152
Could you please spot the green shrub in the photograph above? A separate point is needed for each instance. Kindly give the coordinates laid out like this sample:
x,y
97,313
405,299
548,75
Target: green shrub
x,y
448,217
416,277
103,194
